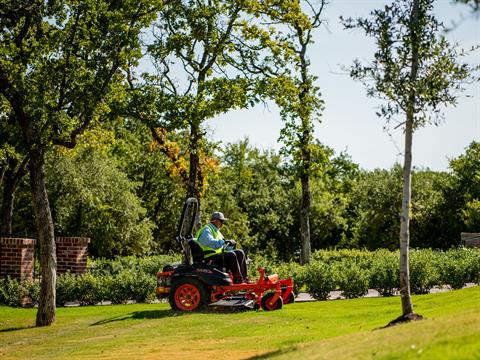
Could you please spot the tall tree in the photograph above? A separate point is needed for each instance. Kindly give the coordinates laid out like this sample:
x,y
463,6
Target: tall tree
x,y
416,72
300,105
60,65
210,57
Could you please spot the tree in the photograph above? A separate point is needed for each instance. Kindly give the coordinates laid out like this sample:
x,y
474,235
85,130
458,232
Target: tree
x,y
91,196
159,170
415,71
374,207
256,193
301,105
60,64
209,57
459,207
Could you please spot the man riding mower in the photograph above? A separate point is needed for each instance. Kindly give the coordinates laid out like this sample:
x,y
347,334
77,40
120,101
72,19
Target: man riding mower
x,y
201,280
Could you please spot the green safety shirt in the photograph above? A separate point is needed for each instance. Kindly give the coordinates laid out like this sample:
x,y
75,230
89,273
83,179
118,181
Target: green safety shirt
x,y
217,235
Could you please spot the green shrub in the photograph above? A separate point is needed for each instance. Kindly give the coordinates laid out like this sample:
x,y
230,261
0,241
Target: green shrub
x,y
469,258
384,272
319,280
66,288
292,270
129,285
362,257
424,270
352,279
261,262
32,289
13,291
456,269
90,289
474,265
150,264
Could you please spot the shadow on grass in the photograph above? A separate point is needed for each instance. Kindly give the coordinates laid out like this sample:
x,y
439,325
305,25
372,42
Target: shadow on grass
x,y
273,353
17,328
136,315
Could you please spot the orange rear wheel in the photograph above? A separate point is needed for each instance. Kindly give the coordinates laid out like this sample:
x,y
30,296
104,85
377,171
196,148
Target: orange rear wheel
x,y
188,295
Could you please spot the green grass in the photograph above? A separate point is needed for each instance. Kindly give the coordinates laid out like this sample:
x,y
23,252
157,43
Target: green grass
x,y
343,329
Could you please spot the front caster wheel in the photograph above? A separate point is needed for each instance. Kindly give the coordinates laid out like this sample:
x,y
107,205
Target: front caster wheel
x,y
267,305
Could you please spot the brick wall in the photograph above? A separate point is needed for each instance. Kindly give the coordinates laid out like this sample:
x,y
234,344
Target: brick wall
x,y
17,257
72,254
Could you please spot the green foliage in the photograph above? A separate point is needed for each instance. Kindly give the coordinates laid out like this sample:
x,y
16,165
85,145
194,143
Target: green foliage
x,y
257,196
459,266
415,69
91,197
131,285
352,271
458,207
66,288
149,265
320,279
374,207
13,291
352,278
425,268
159,187
384,274
292,270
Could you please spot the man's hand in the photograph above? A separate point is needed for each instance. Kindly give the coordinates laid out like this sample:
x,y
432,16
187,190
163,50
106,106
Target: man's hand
x,y
231,243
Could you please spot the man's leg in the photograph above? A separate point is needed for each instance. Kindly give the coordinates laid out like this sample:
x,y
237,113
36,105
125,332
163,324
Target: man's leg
x,y
229,260
242,263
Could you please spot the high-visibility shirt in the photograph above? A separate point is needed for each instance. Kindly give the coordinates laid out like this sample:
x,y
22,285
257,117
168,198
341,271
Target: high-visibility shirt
x,y
217,235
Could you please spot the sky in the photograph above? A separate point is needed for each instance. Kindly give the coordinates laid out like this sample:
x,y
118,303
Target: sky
x,y
349,122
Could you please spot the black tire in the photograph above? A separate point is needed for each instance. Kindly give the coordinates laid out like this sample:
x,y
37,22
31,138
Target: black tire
x,y
270,307
188,295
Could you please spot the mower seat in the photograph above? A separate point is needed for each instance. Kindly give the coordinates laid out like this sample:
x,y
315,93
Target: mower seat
x,y
196,250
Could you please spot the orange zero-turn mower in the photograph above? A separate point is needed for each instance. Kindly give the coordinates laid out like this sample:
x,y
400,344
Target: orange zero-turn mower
x,y
195,284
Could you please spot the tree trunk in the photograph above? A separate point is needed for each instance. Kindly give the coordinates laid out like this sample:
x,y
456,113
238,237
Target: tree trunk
x,y
43,217
407,307
305,220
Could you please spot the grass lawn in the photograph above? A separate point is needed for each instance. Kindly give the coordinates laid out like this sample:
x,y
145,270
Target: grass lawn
x,y
341,329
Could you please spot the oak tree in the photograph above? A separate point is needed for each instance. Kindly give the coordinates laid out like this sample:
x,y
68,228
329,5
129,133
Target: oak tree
x,y
60,65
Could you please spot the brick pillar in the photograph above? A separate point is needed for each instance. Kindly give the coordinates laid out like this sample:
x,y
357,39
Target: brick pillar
x,y
72,254
17,257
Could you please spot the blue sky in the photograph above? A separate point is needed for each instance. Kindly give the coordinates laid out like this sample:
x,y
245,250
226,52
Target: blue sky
x,y
349,122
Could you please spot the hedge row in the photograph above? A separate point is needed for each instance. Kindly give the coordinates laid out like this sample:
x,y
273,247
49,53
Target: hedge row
x,y
354,271
120,280
351,271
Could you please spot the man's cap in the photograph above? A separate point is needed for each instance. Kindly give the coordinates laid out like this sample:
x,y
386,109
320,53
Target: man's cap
x,y
218,216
